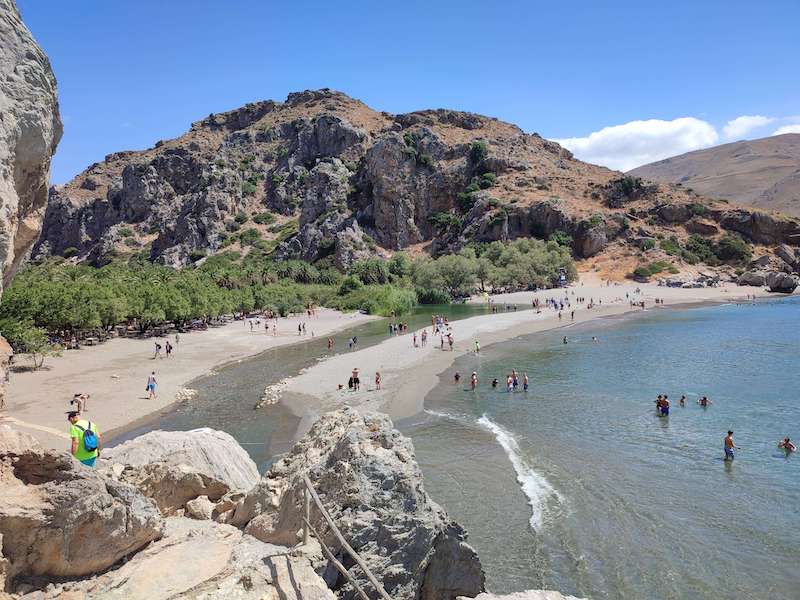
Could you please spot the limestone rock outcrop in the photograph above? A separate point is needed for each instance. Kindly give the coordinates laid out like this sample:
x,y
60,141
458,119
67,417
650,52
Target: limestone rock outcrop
x,y
175,467
367,478
203,560
59,518
30,130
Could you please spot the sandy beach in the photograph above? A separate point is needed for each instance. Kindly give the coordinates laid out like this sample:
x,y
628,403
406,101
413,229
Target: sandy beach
x,y
408,373
115,373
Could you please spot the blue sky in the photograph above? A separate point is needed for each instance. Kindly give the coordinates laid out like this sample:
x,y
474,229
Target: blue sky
x,y
131,73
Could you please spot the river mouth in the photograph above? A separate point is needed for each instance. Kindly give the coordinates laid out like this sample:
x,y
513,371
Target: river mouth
x,y
578,486
226,398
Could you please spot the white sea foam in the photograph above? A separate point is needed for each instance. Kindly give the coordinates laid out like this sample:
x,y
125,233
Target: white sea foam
x,y
537,489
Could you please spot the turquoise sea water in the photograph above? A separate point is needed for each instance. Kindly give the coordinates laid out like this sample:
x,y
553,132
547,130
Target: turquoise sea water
x,y
579,486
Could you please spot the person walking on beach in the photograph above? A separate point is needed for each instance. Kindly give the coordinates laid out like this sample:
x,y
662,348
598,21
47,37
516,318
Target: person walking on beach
x,y
450,341
168,348
414,339
177,339
151,386
157,351
377,380
85,439
729,446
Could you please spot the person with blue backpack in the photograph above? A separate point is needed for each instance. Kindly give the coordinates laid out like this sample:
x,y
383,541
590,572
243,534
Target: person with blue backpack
x,y
85,439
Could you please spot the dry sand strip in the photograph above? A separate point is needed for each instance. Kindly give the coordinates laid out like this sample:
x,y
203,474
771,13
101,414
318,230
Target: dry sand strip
x,y
115,373
409,373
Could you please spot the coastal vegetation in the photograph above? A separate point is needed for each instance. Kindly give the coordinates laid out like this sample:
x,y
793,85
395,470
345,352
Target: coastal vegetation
x,y
61,299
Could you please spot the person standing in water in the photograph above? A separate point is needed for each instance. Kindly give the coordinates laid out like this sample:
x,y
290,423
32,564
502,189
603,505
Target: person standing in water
x,y
787,445
473,381
682,401
377,380
525,382
456,378
729,446
477,347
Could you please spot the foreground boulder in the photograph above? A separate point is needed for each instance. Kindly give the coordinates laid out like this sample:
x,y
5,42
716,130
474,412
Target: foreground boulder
x,y
367,478
177,467
59,518
756,278
203,560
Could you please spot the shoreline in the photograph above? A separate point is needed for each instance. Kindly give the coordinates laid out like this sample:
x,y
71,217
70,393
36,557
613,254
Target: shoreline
x,y
420,370
114,374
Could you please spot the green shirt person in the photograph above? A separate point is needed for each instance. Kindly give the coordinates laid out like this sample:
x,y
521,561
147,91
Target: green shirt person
x,y
76,433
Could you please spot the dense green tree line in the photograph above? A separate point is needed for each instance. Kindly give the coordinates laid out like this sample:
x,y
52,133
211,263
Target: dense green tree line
x,y
60,298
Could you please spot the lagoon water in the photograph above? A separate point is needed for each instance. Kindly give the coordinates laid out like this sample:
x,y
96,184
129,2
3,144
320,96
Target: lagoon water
x,y
578,486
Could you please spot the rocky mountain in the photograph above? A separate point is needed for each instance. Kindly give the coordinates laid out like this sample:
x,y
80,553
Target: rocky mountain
x,y
30,129
763,173
322,176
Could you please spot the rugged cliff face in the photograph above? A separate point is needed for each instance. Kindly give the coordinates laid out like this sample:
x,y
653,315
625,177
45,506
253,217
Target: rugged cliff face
x,y
323,176
30,129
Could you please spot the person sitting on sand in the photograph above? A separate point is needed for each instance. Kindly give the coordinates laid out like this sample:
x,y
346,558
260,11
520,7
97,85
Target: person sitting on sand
x,y
787,444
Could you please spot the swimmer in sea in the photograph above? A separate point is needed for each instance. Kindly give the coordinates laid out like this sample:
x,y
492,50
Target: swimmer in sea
x,y
494,383
682,401
787,445
704,402
729,446
565,339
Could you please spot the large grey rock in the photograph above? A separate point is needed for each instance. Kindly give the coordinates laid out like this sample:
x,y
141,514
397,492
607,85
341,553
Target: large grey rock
x,y
59,518
174,467
30,130
754,278
367,478
782,282
788,255
202,560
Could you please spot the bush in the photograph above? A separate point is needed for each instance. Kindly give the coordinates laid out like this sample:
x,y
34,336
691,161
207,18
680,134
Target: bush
x,y
371,271
248,188
264,218
671,246
466,200
429,296
444,221
648,244
350,284
249,237
125,232
487,180
732,248
70,252
595,220
697,209
478,151
562,238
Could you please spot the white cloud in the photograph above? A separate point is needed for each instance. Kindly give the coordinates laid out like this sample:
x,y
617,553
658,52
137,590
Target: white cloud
x,y
741,126
787,129
637,143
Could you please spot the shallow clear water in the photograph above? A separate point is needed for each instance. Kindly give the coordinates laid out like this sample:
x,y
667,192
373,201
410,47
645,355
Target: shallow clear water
x,y
225,399
578,486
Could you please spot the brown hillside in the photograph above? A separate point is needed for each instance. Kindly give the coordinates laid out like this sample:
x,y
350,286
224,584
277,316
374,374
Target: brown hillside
x,y
763,173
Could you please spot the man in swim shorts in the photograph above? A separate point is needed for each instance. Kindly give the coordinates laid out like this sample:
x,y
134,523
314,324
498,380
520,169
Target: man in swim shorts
x,y
665,406
729,446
